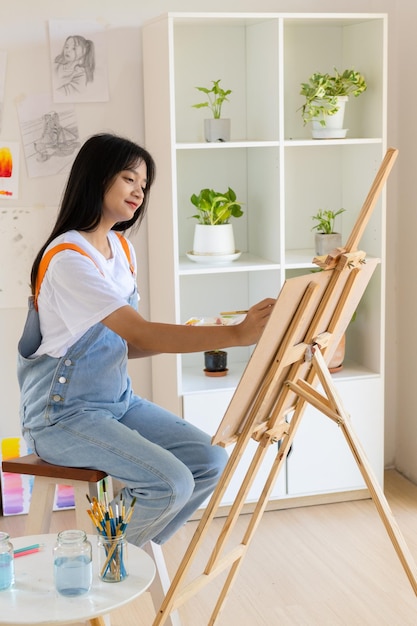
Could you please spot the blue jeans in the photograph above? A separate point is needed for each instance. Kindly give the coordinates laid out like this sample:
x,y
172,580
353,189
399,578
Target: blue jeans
x,y
80,411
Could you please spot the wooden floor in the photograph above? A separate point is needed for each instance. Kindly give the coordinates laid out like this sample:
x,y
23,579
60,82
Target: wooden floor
x,y
327,565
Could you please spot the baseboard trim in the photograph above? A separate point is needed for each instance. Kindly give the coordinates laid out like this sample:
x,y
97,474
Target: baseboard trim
x,y
292,502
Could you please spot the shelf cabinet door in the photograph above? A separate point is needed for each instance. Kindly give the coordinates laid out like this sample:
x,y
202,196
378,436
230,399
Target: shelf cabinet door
x,y
321,460
206,411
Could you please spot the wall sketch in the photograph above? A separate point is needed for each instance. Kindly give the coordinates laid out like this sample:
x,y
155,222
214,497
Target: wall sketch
x,y
22,232
9,170
3,56
78,61
50,135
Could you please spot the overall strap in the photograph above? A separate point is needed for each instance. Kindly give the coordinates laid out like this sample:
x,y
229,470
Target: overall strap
x,y
126,248
46,259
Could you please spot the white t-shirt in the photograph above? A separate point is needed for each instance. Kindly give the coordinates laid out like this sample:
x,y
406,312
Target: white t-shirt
x,y
75,295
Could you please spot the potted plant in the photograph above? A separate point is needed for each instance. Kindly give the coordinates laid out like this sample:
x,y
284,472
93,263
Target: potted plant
x,y
215,363
213,234
325,238
216,128
325,99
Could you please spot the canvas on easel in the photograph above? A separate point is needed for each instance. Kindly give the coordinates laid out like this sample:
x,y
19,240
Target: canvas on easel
x,y
290,360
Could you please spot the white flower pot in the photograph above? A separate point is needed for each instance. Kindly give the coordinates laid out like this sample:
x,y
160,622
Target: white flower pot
x,y
213,240
333,128
217,130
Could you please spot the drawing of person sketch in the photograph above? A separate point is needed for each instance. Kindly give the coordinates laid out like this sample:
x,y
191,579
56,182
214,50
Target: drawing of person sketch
x,y
56,139
74,67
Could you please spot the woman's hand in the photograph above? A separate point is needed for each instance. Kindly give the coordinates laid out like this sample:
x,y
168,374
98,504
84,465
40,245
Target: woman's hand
x,y
255,321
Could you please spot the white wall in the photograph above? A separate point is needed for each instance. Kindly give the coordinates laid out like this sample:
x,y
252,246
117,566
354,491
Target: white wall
x,y
405,286
24,34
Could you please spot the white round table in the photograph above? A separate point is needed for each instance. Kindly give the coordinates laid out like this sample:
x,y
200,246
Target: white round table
x,y
33,599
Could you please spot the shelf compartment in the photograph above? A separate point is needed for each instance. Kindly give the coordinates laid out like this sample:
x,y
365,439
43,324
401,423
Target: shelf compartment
x,y
322,45
253,105
253,175
334,176
207,295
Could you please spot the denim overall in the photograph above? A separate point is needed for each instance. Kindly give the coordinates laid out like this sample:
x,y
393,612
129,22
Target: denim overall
x,y
79,410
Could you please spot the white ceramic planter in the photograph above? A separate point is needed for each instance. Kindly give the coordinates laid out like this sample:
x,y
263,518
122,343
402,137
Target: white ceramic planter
x,y
333,128
214,240
217,130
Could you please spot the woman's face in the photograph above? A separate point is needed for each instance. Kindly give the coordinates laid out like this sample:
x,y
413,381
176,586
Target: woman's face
x,y
125,194
72,51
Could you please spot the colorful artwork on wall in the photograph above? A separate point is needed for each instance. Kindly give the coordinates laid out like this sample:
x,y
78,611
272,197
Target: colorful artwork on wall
x,y
9,170
16,489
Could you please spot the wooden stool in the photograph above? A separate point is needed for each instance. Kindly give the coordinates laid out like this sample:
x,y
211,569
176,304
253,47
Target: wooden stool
x,y
84,481
46,478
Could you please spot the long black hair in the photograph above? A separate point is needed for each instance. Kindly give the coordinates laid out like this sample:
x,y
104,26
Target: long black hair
x,y
99,160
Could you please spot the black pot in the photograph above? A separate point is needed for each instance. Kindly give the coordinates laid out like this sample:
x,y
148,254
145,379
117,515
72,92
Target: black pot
x,y
215,361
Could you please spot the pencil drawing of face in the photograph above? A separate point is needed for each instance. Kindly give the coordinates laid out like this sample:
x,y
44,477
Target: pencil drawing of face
x,y
75,65
72,51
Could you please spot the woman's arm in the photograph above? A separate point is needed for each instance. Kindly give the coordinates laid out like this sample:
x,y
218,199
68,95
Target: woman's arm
x,y
148,338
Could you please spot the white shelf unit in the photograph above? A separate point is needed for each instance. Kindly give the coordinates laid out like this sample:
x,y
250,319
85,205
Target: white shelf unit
x,y
283,177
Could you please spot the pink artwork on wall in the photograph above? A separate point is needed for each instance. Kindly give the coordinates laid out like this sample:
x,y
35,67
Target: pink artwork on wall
x,y
16,489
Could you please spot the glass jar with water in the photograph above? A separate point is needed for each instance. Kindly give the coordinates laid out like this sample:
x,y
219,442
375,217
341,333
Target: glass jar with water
x,y
6,562
72,563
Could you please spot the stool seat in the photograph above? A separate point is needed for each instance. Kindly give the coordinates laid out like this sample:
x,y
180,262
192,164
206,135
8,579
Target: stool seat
x,y
33,465
47,476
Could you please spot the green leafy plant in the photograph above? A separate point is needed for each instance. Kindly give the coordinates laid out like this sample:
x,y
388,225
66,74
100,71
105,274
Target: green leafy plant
x,y
325,221
216,97
216,208
322,91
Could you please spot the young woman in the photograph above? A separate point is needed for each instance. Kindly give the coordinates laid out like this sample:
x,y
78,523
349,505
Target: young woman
x,y
77,404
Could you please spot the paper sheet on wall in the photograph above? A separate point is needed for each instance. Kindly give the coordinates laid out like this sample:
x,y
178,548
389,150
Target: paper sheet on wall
x,y
50,135
3,56
22,232
78,61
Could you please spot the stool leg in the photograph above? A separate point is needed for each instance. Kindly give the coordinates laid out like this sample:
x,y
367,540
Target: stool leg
x,y
161,582
41,505
97,621
81,490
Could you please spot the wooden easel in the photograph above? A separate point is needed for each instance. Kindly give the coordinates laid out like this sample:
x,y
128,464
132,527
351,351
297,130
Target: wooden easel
x,y
309,318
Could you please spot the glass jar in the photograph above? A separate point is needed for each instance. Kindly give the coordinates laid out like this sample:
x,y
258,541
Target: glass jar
x,y
73,570
112,558
6,562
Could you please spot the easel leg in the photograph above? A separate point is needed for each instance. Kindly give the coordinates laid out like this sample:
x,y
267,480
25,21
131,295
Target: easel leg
x,y
176,596
382,505
333,408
